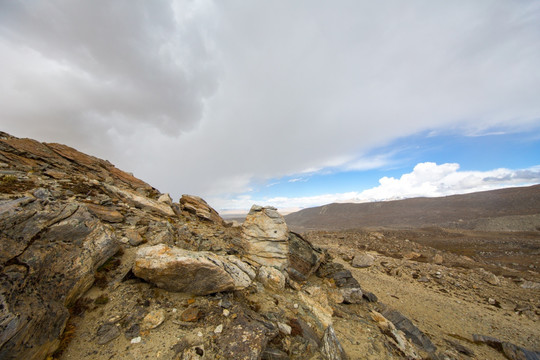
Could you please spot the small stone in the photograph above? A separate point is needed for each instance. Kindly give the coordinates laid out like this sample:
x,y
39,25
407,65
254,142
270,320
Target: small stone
x,y
362,261
218,329
136,340
190,314
351,295
106,333
295,306
438,259
271,278
134,238
153,319
284,328
424,279
369,296
199,334
225,303
226,312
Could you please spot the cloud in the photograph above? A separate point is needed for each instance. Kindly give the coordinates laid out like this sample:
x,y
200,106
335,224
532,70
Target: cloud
x,y
79,68
211,97
427,179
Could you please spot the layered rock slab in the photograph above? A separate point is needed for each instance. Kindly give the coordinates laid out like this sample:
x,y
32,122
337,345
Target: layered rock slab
x,y
48,255
197,206
266,236
304,257
194,272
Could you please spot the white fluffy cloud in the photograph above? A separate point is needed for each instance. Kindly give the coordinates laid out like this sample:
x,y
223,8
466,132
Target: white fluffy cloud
x,y
425,180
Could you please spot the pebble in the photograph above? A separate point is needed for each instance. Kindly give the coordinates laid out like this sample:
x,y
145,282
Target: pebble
x,y
284,328
295,306
136,340
153,319
226,312
199,334
218,329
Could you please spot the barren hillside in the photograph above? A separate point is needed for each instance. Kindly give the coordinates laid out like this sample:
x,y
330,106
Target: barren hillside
x,y
502,210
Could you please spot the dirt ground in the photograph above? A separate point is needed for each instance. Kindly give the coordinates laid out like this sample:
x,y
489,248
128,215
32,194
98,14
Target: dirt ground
x,y
456,298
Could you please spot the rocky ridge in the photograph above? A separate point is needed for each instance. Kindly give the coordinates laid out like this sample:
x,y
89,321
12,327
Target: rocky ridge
x,y
96,264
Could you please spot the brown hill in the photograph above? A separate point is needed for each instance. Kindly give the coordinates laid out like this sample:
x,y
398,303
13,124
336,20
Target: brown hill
x,y
505,209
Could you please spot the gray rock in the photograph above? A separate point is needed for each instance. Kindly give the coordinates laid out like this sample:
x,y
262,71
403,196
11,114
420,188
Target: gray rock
x,y
195,272
460,348
369,296
331,348
106,333
409,329
362,261
304,258
351,295
48,256
511,351
243,339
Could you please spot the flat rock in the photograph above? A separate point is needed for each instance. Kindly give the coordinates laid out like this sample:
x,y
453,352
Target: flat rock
x,y
191,314
153,319
105,213
195,272
362,261
138,200
106,333
197,206
266,235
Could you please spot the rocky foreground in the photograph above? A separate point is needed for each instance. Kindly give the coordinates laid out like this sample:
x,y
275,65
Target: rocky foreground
x,y
96,264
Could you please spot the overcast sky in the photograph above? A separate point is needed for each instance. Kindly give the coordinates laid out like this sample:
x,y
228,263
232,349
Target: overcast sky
x,y
291,103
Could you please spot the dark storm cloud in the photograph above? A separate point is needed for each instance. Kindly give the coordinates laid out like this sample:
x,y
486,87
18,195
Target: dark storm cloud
x,y
107,65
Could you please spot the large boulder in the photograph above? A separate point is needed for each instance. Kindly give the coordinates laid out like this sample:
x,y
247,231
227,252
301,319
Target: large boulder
x,y
194,272
266,235
199,207
304,258
49,252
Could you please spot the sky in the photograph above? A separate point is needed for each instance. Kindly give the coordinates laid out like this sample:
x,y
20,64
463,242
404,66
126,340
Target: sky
x,y
286,103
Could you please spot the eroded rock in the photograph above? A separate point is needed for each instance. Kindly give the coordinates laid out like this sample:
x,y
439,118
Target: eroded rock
x,y
362,261
48,255
304,258
195,272
199,207
331,348
266,237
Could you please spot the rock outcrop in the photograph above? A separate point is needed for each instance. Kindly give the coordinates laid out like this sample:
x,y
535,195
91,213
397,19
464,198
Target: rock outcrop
x,y
266,237
199,207
49,251
194,272
304,258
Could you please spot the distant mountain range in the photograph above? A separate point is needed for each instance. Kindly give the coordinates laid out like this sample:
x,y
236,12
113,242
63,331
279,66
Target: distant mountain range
x,y
509,209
